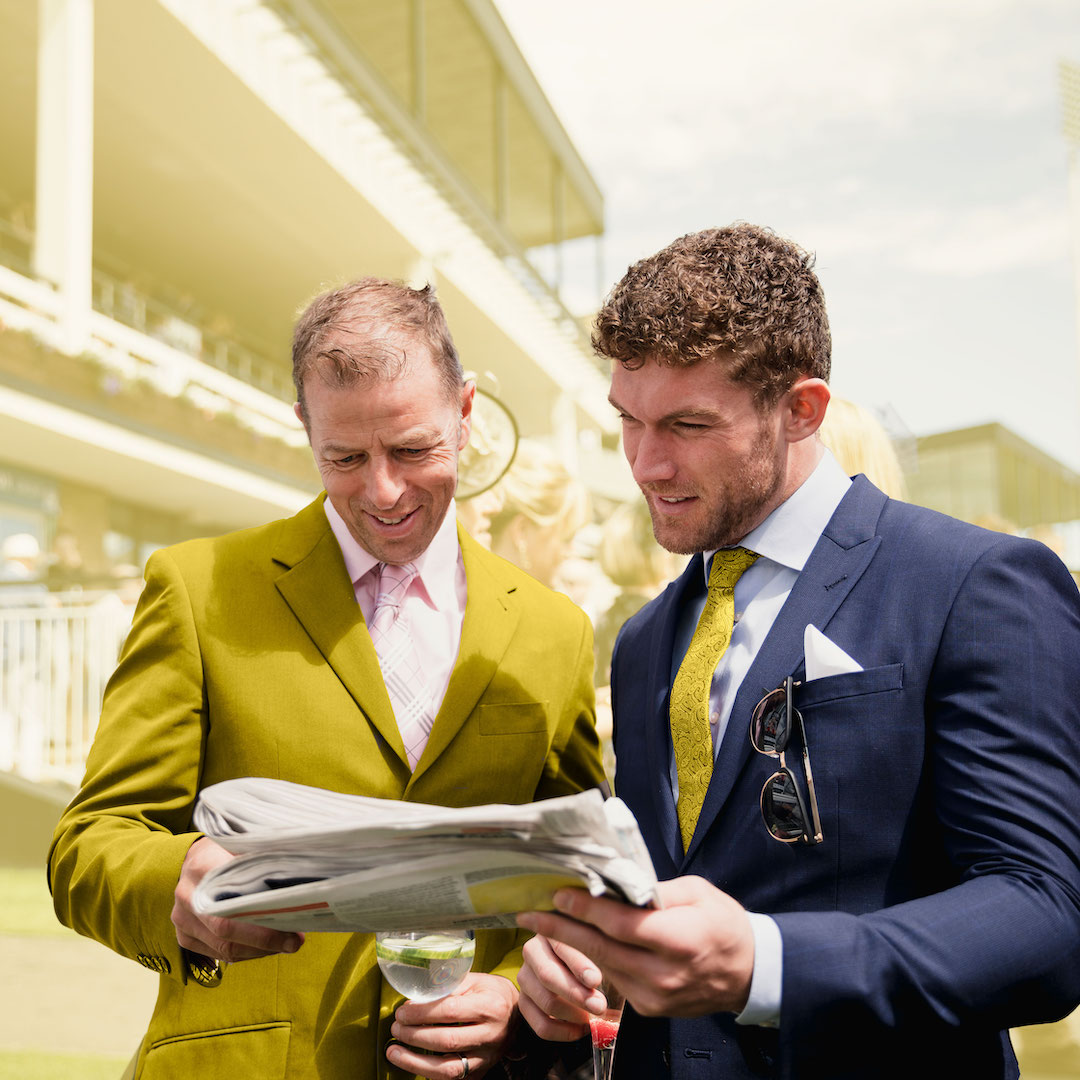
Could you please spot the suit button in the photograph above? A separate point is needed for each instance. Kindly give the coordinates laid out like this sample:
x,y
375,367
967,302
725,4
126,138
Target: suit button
x,y
160,964
203,970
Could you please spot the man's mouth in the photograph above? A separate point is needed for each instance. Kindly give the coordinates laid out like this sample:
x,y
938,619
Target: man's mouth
x,y
390,520
671,506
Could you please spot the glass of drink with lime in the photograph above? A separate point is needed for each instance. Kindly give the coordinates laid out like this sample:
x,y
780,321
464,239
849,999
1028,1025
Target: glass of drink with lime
x,y
425,965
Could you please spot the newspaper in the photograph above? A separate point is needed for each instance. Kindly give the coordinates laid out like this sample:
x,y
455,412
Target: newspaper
x,y
310,859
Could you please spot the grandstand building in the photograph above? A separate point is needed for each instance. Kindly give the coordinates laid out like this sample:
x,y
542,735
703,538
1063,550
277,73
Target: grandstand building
x,y
178,178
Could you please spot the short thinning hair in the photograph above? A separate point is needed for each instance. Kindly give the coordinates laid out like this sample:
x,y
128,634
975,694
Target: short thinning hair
x,y
360,331
741,294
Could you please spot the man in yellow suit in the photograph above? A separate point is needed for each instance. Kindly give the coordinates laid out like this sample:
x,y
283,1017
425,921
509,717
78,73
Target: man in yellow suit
x,y
366,645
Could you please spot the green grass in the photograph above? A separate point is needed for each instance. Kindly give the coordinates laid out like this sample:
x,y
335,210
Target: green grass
x,y
26,908
40,1065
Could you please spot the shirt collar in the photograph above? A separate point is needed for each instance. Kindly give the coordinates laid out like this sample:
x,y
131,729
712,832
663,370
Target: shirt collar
x,y
790,533
435,567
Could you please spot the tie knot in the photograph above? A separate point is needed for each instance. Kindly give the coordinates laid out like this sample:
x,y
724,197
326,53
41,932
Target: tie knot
x,y
393,583
728,565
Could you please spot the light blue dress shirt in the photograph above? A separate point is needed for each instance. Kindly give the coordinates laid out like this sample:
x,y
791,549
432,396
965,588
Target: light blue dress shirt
x,y
784,541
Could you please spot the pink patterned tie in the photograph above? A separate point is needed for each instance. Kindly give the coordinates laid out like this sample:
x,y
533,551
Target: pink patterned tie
x,y
406,684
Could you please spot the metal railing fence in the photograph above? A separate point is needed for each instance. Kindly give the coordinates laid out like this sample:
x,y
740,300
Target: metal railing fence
x,y
57,651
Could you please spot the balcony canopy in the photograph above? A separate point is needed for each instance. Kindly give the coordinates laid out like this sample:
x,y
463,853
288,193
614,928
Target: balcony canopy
x,y
215,178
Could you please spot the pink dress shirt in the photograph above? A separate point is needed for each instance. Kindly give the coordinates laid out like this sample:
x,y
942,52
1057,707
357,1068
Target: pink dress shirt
x,y
434,603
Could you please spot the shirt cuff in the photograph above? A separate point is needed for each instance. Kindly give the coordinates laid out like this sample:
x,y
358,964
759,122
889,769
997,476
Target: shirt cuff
x,y
763,1004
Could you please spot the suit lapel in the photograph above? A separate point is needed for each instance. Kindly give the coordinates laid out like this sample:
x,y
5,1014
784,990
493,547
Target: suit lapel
x,y
491,617
316,587
841,555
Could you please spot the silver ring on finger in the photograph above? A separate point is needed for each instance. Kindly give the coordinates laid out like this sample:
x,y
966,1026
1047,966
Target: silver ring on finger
x,y
464,1066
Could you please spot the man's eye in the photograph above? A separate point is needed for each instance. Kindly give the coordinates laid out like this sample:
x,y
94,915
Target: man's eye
x,y
348,459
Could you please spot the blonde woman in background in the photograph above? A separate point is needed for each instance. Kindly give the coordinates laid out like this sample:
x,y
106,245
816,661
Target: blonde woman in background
x,y
476,511
482,463
543,506
634,562
861,445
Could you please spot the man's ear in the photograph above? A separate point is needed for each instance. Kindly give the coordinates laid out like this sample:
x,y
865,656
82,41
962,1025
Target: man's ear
x,y
468,395
299,413
804,408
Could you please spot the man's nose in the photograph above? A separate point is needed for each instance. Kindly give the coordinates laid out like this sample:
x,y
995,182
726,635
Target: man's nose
x,y
649,459
384,485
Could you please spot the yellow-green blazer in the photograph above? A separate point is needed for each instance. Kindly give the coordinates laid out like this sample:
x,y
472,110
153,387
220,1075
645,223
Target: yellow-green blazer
x,y
249,656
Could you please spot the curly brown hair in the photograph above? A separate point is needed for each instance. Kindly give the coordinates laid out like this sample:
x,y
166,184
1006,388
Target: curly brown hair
x,y
355,332
740,293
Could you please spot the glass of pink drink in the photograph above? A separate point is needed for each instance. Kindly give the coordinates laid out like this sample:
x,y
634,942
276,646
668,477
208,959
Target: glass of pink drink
x,y
604,1028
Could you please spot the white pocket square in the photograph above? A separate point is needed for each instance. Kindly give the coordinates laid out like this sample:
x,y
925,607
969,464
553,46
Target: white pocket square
x,y
825,657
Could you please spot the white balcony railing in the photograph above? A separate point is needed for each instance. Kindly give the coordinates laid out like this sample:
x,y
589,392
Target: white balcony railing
x,y
57,651
141,338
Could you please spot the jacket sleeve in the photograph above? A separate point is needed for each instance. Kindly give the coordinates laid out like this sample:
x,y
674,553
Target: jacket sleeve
x,y
1001,946
119,846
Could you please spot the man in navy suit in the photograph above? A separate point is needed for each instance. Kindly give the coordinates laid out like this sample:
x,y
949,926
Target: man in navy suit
x,y
926,895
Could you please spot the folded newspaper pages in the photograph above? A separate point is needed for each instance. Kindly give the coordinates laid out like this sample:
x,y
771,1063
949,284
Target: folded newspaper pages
x,y
311,859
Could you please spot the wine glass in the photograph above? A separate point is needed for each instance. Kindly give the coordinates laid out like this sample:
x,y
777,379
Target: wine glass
x,y
604,1028
425,965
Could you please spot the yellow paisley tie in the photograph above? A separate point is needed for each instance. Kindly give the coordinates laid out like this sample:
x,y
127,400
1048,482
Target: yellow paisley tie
x,y
690,734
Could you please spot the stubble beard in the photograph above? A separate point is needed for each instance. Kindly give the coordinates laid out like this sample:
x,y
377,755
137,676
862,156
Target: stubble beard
x,y
742,505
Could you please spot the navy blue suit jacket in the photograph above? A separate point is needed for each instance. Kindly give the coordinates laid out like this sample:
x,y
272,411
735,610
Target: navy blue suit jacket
x,y
944,904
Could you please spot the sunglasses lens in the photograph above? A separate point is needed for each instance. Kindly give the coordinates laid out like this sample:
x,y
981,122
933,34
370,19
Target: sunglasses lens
x,y
769,725
782,808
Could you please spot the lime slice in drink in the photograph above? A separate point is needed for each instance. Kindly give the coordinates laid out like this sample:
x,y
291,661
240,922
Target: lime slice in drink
x,y
419,951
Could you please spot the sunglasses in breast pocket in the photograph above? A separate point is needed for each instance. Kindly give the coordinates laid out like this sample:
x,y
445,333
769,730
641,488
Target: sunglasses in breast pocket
x,y
783,808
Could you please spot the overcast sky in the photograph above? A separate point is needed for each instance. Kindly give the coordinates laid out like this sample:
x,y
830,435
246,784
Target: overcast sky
x,y
915,145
